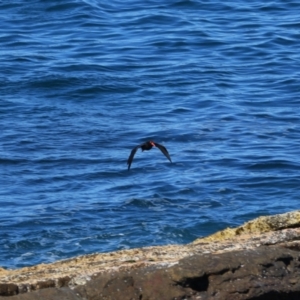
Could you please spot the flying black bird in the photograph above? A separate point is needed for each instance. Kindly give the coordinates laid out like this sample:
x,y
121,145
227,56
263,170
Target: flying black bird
x,y
147,146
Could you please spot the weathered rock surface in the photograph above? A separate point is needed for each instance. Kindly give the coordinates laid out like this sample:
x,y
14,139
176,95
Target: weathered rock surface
x,y
241,263
263,273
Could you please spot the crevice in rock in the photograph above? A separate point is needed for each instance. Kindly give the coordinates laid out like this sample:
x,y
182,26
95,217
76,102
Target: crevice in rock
x,y
287,227
226,270
286,260
199,284
292,246
267,265
222,272
233,270
274,295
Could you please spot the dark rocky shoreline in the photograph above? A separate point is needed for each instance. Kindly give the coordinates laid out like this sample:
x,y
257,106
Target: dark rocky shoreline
x,y
259,260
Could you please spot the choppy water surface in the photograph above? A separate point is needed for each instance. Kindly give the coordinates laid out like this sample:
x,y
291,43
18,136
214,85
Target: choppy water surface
x,y
83,82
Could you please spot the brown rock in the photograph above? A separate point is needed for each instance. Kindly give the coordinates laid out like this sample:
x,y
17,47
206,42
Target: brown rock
x,y
47,294
258,260
9,289
263,273
258,225
249,274
267,272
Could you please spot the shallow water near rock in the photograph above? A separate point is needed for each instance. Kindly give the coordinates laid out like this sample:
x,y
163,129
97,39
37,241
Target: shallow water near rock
x,y
83,82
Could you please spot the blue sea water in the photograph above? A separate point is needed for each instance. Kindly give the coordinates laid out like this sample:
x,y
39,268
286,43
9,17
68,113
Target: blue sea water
x,y
83,82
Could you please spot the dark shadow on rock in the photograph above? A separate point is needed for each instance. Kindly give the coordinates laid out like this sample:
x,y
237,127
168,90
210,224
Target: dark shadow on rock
x,y
198,284
278,296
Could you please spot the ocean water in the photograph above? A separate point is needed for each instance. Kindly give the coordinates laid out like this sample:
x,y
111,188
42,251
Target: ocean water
x,y
83,82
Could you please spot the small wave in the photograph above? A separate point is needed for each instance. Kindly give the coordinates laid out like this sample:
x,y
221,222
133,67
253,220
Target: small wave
x,y
274,164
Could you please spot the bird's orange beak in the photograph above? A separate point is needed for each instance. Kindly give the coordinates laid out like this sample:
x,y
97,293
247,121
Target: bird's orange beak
x,y
152,144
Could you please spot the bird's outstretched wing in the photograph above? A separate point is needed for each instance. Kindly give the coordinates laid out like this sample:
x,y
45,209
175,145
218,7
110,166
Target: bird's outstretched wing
x,y
131,156
164,150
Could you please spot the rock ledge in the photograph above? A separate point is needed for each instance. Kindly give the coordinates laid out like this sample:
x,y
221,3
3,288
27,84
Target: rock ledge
x,y
258,260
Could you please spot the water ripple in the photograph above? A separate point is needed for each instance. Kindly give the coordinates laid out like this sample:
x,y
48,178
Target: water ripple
x,y
83,82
